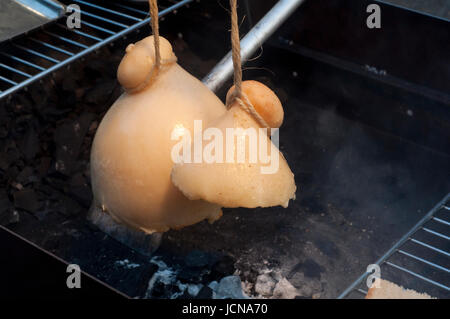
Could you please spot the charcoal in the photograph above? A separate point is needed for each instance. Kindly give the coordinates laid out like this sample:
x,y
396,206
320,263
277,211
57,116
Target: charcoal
x,y
9,217
26,199
77,180
4,161
3,131
46,191
163,291
37,95
205,293
43,166
224,267
5,203
134,280
68,84
197,258
100,93
145,275
82,194
69,207
191,275
184,295
24,103
98,67
10,155
12,173
68,138
79,93
50,111
80,190
310,269
25,176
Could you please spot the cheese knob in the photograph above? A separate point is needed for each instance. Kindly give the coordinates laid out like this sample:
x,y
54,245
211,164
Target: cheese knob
x,y
264,100
136,68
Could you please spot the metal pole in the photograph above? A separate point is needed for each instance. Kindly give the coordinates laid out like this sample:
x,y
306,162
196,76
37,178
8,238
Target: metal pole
x,y
252,41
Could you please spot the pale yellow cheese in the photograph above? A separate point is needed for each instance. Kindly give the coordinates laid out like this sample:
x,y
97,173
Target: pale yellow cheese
x,y
131,152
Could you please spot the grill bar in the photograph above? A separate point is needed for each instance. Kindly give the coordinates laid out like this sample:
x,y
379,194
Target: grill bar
x,y
7,80
107,10
430,247
435,233
105,19
15,70
442,206
45,44
67,40
441,221
33,52
125,23
131,9
424,261
84,34
437,284
23,61
364,292
98,28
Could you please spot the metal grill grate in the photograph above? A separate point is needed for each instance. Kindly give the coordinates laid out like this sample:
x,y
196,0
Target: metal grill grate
x,y
420,260
30,58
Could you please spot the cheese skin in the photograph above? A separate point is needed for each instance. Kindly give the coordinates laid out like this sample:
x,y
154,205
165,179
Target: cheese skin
x,y
247,182
131,153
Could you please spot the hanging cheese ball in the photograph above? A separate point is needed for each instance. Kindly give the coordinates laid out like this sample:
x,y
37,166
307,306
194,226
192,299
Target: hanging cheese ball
x,y
264,100
131,153
242,184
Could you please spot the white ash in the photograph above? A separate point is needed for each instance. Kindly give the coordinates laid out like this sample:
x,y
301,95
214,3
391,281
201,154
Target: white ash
x,y
284,290
164,274
270,284
229,287
193,290
127,264
168,276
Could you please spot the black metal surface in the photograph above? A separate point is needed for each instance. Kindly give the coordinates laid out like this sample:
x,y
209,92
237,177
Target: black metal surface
x,y
366,170
409,54
29,272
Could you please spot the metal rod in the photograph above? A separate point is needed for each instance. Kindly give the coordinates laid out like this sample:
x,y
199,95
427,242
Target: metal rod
x,y
84,34
98,28
394,248
131,9
424,261
7,80
23,62
252,41
15,70
430,247
435,233
67,40
418,276
103,19
90,49
51,46
108,10
36,53
441,221
362,291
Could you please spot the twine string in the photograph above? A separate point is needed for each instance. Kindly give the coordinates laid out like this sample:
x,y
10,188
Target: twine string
x,y
236,50
155,29
237,94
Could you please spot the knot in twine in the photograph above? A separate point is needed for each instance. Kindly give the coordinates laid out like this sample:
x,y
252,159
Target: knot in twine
x,y
237,94
154,23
